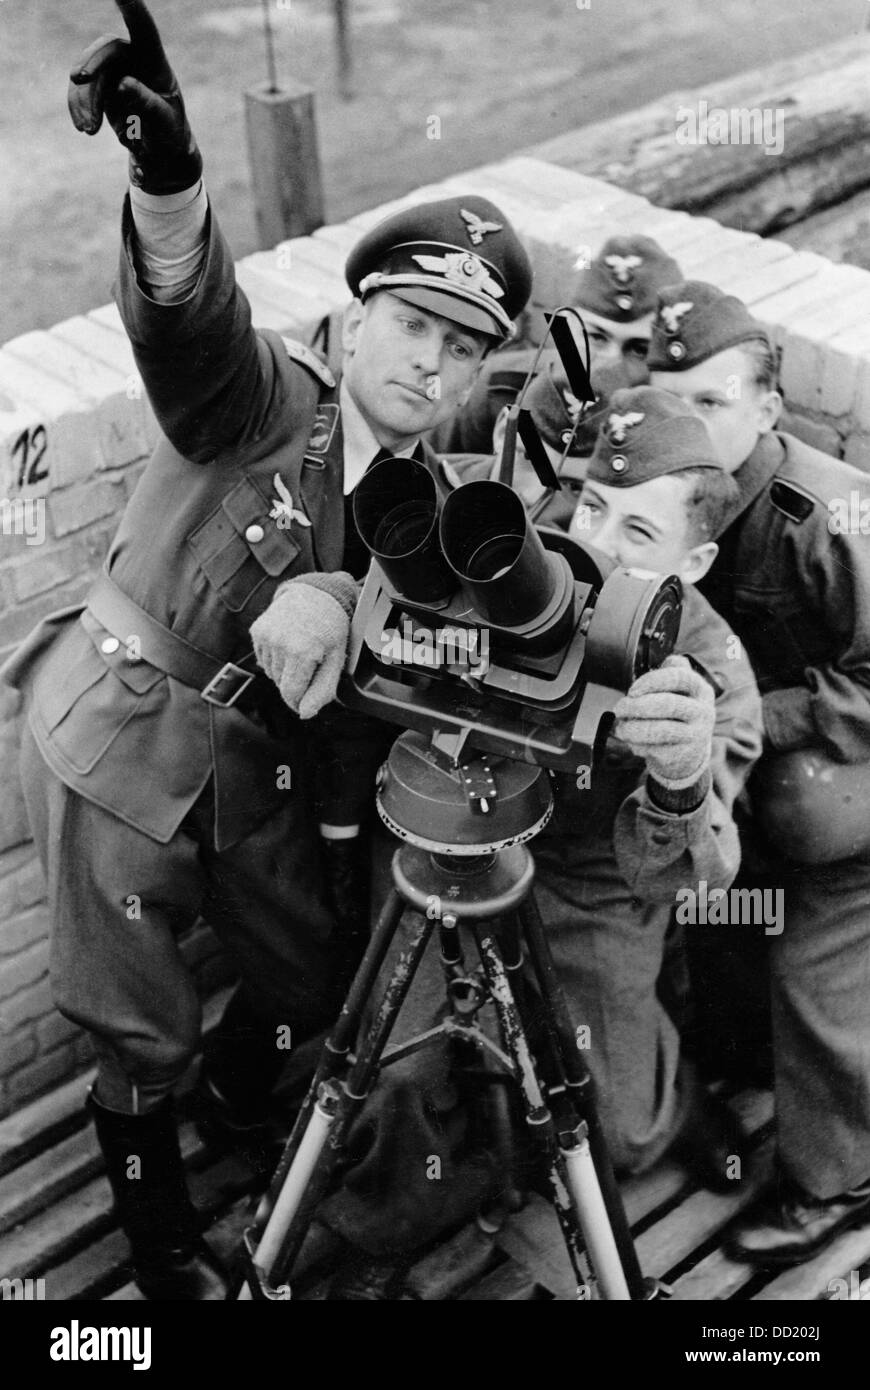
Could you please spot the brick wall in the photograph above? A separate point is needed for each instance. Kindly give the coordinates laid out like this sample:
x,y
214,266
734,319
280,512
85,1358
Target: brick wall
x,y
75,431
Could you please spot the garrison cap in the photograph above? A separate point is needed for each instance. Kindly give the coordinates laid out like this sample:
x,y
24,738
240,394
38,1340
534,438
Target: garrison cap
x,y
694,321
459,257
554,409
646,433
624,279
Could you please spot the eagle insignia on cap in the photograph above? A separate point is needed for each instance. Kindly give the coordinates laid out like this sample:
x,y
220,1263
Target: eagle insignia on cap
x,y
622,266
671,314
462,268
618,424
477,228
573,406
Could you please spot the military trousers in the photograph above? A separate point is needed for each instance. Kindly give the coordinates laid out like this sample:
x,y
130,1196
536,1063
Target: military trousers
x,y
811,957
820,1006
608,948
118,901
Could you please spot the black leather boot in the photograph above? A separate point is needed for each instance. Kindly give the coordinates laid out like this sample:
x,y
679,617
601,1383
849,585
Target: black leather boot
x,y
171,1260
233,1106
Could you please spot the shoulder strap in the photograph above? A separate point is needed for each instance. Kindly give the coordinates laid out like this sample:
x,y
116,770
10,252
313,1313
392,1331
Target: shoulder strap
x,y
790,499
306,357
326,340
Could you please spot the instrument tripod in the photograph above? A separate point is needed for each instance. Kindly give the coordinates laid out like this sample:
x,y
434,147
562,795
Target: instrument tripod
x,y
485,887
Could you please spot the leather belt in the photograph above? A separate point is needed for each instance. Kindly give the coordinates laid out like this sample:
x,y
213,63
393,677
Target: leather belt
x,y
221,683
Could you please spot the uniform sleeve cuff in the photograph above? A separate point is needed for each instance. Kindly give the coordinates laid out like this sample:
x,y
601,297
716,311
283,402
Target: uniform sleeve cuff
x,y
679,801
788,718
340,585
165,202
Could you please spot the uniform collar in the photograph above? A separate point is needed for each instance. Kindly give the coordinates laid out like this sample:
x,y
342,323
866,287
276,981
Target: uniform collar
x,y
360,445
753,476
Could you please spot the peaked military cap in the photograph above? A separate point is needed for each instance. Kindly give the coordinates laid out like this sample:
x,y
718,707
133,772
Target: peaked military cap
x,y
459,257
623,281
694,321
554,410
646,433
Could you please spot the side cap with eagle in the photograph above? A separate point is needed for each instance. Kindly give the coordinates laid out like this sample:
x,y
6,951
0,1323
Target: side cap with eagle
x,y
624,279
645,433
554,410
695,320
459,257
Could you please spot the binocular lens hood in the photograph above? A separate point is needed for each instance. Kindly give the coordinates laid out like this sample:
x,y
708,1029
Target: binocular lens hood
x,y
481,543
395,507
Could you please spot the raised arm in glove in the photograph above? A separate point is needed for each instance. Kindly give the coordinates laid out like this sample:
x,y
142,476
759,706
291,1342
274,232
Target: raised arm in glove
x,y
131,83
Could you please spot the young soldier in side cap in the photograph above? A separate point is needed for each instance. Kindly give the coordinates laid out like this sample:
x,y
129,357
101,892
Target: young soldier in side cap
x,y
656,812
653,499
797,591
616,295
156,755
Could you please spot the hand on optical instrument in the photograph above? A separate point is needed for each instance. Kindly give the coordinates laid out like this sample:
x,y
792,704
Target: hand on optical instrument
x,y
667,718
301,639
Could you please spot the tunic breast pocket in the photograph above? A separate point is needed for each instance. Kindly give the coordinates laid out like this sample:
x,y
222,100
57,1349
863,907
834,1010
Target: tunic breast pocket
x,y
239,546
82,698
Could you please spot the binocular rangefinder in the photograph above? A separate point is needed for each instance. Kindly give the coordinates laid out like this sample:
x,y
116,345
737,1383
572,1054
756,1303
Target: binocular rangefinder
x,y
475,627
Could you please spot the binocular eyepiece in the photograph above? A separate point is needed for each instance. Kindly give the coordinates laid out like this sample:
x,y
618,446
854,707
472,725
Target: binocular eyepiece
x,y
481,542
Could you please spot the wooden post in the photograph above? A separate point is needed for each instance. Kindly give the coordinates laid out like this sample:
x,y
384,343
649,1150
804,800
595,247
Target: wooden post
x,y
285,164
342,40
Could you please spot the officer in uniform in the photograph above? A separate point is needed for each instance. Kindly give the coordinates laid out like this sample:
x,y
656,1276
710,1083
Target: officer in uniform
x,y
616,295
655,817
166,771
793,582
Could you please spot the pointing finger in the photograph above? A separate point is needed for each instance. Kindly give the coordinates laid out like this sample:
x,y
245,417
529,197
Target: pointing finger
x,y
151,60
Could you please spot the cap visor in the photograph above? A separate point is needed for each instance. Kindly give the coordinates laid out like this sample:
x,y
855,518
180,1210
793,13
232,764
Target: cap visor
x,y
449,306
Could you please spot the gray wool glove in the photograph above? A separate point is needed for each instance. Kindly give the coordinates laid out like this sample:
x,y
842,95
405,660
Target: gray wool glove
x,y
667,718
301,639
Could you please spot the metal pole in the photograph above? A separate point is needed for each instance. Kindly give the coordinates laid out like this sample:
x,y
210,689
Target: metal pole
x,y
270,48
342,35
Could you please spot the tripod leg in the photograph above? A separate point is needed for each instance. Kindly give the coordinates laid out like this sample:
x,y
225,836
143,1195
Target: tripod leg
x,y
586,1148
337,1045
538,1115
318,1110
310,1174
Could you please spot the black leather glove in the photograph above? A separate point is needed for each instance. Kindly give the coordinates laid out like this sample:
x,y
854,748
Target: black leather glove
x,y
133,84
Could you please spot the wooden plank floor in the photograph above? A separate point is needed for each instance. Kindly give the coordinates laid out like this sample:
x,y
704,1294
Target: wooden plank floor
x,y
56,1223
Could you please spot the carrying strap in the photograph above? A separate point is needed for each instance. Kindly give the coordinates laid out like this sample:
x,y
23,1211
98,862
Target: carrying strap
x,y
219,682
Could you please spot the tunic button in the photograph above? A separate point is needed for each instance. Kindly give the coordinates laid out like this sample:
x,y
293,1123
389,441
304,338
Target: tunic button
x,y
254,534
109,645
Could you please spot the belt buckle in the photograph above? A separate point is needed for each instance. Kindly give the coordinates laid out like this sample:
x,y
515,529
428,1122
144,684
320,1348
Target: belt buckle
x,y
227,672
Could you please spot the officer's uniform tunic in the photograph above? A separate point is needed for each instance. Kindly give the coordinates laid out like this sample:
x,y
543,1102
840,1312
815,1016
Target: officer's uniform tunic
x,y
149,803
